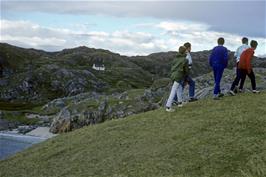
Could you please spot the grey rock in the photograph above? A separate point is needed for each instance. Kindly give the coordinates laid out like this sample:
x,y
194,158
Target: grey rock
x,y
4,125
3,82
25,129
123,96
62,122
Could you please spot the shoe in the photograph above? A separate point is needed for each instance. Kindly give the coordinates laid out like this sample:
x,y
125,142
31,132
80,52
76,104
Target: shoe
x,y
180,105
240,90
175,103
220,95
193,99
236,90
216,97
231,92
170,110
255,91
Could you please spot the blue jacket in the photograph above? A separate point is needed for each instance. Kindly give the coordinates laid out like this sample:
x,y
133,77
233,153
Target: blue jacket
x,y
219,57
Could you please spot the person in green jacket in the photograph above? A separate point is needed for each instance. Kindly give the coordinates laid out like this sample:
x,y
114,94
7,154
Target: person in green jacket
x,y
179,72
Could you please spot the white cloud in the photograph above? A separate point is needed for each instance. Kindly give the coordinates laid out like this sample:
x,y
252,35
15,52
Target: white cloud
x,y
182,26
231,20
173,34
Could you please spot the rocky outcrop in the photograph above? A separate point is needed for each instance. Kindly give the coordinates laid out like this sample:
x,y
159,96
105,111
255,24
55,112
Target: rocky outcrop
x,y
76,95
6,124
89,109
62,122
92,108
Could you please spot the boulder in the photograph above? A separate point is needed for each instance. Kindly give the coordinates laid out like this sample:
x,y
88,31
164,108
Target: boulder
x,y
25,129
62,122
4,125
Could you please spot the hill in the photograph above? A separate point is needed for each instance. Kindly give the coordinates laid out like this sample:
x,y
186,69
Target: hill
x,y
36,76
63,91
223,138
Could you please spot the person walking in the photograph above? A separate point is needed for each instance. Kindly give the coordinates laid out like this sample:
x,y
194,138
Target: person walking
x,y
179,72
245,68
237,55
189,79
218,60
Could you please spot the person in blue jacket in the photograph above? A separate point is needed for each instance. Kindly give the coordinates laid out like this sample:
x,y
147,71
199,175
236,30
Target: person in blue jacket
x,y
218,61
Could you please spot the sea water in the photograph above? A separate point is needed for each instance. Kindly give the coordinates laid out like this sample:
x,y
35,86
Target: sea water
x,y
13,143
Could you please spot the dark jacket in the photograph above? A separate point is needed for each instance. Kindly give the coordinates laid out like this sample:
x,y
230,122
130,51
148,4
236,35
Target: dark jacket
x,y
219,57
180,69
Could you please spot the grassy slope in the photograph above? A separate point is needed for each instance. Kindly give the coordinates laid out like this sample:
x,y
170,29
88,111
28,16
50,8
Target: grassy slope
x,y
205,138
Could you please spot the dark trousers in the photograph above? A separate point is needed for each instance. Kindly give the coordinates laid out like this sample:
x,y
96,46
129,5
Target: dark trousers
x,y
218,74
237,79
251,75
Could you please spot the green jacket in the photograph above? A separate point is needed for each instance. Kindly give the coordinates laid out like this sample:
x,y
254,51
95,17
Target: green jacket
x,y
180,69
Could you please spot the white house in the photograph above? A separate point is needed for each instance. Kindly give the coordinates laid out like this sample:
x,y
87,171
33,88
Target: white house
x,y
98,67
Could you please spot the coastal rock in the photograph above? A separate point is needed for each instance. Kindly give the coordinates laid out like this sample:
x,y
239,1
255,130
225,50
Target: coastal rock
x,y
25,129
62,122
7,125
90,111
4,125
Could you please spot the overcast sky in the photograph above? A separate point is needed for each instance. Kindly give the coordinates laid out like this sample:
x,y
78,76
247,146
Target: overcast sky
x,y
132,27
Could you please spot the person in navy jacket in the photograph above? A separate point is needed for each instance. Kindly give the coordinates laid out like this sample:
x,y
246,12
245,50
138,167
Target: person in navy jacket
x,y
218,61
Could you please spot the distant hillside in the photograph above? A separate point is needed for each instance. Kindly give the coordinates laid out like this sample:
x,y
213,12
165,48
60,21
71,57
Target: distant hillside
x,y
204,138
160,63
36,76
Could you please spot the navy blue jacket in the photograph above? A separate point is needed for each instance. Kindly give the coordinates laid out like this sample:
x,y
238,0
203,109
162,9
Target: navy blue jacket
x,y
219,57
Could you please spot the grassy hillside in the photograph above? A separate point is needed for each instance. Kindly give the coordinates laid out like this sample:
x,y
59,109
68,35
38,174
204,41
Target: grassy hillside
x,y
206,138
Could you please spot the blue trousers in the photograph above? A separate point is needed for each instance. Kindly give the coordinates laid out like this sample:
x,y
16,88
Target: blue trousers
x,y
218,74
191,84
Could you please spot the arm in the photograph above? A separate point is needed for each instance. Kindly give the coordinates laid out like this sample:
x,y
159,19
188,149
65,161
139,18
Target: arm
x,y
225,58
186,68
249,58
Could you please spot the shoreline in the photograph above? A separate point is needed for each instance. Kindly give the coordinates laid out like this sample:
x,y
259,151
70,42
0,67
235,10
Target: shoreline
x,y
12,142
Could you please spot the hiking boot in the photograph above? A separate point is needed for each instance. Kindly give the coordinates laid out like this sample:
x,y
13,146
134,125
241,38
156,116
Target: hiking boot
x,y
170,109
216,97
180,105
175,103
231,92
255,91
193,99
220,95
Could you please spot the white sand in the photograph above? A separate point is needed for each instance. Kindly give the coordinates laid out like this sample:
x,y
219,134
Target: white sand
x,y
42,132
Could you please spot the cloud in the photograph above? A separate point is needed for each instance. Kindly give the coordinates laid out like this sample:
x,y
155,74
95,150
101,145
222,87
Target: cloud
x,y
182,26
173,34
31,35
236,17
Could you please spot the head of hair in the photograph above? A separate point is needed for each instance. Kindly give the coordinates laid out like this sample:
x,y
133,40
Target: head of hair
x,y
220,41
244,40
253,44
187,45
182,50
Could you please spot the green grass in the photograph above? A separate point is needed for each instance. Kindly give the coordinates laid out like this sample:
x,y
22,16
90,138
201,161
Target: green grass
x,y
208,138
16,111
16,106
19,117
